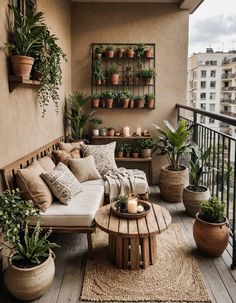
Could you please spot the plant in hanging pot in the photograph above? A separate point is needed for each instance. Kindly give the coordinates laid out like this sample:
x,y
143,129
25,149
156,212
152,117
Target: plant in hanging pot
x,y
31,265
130,52
95,123
149,100
173,143
77,117
24,36
195,193
147,75
95,100
211,228
109,51
114,74
139,101
146,146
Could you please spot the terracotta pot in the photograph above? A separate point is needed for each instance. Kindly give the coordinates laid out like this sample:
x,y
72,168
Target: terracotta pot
x,y
95,103
146,152
98,82
172,183
120,53
146,80
30,283
98,56
111,132
139,103
125,103
110,54
119,154
150,103
114,79
109,102
148,53
95,132
22,66
130,53
135,155
131,103
211,238
104,81
192,199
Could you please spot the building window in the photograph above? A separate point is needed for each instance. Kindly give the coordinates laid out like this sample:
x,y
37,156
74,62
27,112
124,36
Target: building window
x,y
211,120
212,96
202,119
213,73
212,107
213,84
203,96
203,73
203,106
203,84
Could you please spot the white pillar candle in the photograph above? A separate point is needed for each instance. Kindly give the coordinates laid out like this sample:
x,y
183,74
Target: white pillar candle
x,y
138,131
126,131
132,206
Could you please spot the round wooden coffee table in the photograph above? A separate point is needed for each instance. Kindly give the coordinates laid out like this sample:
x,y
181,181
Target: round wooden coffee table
x,y
132,242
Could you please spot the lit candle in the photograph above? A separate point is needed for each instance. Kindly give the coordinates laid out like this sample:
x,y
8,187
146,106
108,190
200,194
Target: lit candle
x,y
126,131
132,206
138,131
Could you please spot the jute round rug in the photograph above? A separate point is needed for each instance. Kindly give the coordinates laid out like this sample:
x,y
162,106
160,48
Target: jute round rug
x,y
174,278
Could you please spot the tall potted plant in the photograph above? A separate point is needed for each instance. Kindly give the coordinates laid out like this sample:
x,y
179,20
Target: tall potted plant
x,y
31,264
76,116
210,229
195,193
24,37
173,143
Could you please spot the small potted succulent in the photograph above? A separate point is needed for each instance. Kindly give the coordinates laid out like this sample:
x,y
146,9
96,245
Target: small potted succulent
x,y
130,52
120,52
129,96
146,146
147,75
148,53
109,51
127,149
122,205
108,96
114,74
211,228
135,152
95,100
120,150
98,52
149,100
110,131
139,101
95,123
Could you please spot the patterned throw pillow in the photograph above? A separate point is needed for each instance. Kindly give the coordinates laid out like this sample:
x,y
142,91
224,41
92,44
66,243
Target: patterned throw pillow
x,y
62,183
104,156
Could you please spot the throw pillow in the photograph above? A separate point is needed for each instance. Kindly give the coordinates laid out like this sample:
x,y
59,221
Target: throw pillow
x,y
63,156
62,183
46,163
84,169
104,156
69,146
33,187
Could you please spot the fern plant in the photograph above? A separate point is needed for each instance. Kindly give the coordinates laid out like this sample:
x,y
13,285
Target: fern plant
x,y
212,211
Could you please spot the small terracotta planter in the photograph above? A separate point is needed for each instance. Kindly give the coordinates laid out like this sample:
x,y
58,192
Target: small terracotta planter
x,y
119,154
104,81
139,103
146,153
131,103
22,65
111,132
125,103
130,53
148,53
150,103
109,102
120,53
110,54
95,102
135,155
114,79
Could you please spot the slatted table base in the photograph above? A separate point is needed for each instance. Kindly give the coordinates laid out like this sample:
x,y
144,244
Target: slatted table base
x,y
132,253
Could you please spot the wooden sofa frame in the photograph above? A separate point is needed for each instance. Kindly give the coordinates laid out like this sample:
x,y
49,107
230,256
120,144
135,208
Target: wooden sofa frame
x,y
9,172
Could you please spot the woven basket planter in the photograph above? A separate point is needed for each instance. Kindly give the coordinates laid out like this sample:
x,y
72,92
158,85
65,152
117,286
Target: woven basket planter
x,y
192,199
172,183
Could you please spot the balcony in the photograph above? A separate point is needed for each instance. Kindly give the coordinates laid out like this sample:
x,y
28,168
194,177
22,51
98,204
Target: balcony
x,y
228,101
229,88
228,76
228,113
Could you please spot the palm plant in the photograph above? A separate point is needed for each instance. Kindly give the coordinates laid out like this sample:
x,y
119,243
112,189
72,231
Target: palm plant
x,y
77,117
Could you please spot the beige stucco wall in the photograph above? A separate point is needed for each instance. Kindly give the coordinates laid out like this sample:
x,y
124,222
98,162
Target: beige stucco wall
x,y
162,24
22,129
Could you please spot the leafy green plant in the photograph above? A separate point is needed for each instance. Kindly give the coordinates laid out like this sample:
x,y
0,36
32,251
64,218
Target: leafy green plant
x,y
77,117
95,96
147,73
140,50
128,94
110,127
173,142
26,33
108,94
114,69
149,96
99,49
122,203
98,71
109,48
212,211
136,98
197,166
127,149
96,121
120,147
146,143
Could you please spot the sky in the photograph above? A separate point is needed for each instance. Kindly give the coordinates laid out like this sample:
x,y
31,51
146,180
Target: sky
x,y
213,24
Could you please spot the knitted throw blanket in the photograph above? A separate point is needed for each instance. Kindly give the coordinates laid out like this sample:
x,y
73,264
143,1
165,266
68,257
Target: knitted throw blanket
x,y
122,181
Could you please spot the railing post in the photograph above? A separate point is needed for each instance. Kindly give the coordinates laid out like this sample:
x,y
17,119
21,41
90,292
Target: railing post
x,y
195,128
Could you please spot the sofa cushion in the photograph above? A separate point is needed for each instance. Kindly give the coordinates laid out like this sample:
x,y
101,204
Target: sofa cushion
x,y
84,169
32,185
104,156
69,146
62,183
79,212
63,156
47,163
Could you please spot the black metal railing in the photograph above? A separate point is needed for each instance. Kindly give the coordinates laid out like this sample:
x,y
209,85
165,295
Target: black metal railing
x,y
222,180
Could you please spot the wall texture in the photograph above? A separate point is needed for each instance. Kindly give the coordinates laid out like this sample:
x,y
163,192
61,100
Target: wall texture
x,y
163,24
22,129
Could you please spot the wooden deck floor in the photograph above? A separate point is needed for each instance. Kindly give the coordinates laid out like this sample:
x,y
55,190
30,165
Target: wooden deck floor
x,y
71,257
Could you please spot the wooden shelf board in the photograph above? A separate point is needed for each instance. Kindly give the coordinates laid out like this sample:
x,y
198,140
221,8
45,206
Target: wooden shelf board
x,y
135,108
121,137
134,159
125,58
15,81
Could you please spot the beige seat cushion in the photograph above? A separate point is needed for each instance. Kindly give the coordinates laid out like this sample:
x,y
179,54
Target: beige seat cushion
x,y
33,187
64,157
46,163
84,169
62,183
79,212
69,146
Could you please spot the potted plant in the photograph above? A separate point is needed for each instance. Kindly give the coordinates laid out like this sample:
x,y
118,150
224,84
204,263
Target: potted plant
x,y
147,75
173,143
103,131
98,52
31,265
195,193
120,150
139,51
149,100
114,74
120,52
98,72
148,53
146,146
109,51
25,35
211,228
111,131
109,98
96,122
130,52
139,101
135,153
122,204
76,116
127,149
95,100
